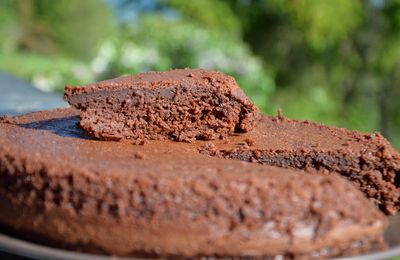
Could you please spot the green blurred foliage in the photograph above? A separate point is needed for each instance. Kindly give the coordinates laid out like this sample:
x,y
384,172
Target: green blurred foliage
x,y
210,14
46,73
77,27
314,18
335,63
8,18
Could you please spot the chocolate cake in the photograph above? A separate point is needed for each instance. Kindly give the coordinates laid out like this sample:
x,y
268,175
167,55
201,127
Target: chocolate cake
x,y
181,104
167,199
367,159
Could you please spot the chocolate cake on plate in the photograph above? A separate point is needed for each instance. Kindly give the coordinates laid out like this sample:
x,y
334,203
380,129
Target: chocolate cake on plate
x,y
65,181
164,198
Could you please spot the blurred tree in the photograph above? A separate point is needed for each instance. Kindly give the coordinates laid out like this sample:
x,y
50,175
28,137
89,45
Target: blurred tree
x,y
47,42
62,27
209,14
77,28
34,34
220,18
8,21
335,63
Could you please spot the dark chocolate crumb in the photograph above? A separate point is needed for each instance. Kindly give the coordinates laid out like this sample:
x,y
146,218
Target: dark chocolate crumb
x,y
139,155
316,145
207,148
109,137
6,119
250,142
139,142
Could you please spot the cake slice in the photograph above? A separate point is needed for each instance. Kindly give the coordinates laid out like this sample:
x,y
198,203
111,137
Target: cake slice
x,y
166,199
368,160
181,104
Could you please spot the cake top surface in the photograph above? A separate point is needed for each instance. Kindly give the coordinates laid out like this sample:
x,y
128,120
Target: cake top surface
x,y
54,137
285,135
56,133
152,79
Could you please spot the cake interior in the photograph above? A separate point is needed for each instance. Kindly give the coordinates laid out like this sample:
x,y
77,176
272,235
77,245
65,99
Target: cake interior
x,y
176,112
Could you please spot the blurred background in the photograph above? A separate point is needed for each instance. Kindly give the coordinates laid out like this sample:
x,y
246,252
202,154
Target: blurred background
x,y
336,62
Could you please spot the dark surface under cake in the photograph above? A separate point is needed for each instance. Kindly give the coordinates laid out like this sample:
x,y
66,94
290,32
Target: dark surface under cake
x,y
367,159
166,199
182,104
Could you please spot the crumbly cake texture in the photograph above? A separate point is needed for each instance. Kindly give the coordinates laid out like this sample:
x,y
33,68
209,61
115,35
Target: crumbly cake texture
x,y
368,160
167,199
181,104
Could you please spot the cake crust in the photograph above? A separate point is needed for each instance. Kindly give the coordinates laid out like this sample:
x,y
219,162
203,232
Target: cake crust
x,y
181,104
125,199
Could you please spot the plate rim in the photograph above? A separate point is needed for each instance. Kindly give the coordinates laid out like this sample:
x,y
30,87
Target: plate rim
x,y
24,248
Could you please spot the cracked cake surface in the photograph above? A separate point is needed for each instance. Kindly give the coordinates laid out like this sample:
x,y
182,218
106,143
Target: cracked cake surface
x,y
366,159
164,198
181,104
